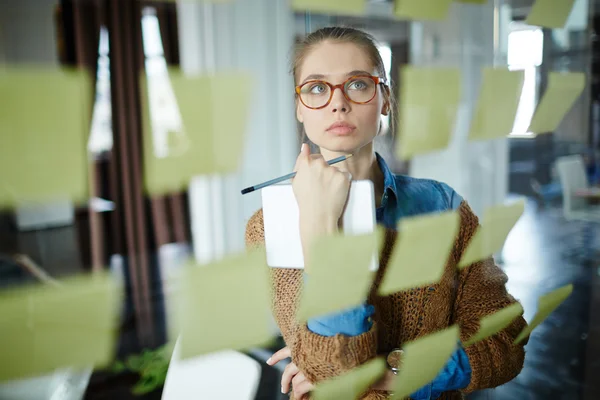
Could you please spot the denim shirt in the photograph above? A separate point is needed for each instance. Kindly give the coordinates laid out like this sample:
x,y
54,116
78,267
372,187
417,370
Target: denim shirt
x,y
403,197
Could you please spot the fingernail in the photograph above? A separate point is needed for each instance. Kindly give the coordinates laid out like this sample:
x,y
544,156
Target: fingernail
x,y
282,391
269,361
303,146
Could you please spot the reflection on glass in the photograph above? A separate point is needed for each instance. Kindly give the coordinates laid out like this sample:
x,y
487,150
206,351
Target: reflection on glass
x,y
101,135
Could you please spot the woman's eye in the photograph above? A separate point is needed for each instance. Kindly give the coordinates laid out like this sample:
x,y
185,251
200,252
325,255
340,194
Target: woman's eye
x,y
317,89
357,85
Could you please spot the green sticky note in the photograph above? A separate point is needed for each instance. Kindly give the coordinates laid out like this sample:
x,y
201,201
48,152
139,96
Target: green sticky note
x,y
423,359
563,89
550,13
342,7
429,99
44,127
494,323
45,328
225,305
352,384
546,305
497,223
345,260
497,104
422,9
188,128
421,252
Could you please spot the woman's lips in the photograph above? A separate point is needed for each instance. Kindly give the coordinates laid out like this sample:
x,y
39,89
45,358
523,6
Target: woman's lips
x,y
341,128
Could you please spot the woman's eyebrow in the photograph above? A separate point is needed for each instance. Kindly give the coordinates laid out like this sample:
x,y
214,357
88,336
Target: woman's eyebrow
x,y
321,76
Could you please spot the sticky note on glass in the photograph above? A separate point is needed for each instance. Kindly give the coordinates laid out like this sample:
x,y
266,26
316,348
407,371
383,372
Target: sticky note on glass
x,y
44,328
188,128
421,252
423,359
497,104
550,13
352,384
562,92
342,259
490,236
546,305
343,7
494,323
422,9
44,127
225,305
429,99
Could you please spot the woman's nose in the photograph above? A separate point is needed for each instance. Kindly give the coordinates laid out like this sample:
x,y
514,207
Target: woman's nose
x,y
339,102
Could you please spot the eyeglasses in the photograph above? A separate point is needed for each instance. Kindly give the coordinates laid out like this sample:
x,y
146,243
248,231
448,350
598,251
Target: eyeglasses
x,y
359,89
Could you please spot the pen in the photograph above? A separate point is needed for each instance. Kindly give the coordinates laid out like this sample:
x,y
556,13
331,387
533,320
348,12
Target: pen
x,y
289,176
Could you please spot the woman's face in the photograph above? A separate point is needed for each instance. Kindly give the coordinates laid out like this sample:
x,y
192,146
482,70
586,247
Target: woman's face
x,y
335,63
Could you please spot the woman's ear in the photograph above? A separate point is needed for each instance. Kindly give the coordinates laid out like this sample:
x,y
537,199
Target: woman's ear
x,y
299,116
385,110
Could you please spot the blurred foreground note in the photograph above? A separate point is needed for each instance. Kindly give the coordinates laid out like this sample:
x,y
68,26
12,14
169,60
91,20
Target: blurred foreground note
x,y
44,127
428,103
550,13
546,305
45,328
497,223
352,384
562,92
225,305
189,129
344,260
494,323
422,9
423,359
342,7
420,255
497,104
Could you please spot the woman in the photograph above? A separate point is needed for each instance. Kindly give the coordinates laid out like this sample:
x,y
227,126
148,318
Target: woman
x,y
346,121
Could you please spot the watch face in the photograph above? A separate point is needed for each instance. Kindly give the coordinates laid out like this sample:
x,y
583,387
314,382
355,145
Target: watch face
x,y
394,359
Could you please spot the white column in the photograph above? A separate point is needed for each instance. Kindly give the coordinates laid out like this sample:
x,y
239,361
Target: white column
x,y
253,36
465,40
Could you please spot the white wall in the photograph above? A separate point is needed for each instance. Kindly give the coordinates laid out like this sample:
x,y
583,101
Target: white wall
x,y
254,36
465,40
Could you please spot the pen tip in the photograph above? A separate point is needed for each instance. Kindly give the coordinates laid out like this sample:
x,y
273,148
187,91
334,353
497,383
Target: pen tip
x,y
349,155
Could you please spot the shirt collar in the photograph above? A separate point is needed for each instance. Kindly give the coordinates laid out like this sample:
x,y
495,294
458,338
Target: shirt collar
x,y
389,180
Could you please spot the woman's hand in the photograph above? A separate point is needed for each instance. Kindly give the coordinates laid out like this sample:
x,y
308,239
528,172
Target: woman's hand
x,y
291,375
321,190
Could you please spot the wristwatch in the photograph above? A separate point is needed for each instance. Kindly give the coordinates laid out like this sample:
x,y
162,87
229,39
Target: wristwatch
x,y
394,360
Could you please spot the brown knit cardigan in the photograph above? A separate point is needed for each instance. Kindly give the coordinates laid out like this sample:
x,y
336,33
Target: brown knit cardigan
x,y
461,297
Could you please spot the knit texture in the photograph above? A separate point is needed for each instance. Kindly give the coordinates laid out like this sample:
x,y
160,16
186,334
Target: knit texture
x,y
462,297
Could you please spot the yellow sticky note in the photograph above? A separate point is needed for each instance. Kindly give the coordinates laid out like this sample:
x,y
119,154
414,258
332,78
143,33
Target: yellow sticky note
x,y
352,384
429,100
494,323
344,260
546,305
343,7
188,127
550,13
497,223
563,89
421,252
44,127
497,104
225,305
422,9
423,359
45,328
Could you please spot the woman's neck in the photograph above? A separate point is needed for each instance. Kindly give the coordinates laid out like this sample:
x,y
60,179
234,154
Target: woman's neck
x,y
362,165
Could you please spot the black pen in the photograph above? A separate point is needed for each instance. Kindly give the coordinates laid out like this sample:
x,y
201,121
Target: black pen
x,y
289,176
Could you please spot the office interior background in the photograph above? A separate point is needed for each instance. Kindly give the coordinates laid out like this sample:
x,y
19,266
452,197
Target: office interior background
x,y
141,239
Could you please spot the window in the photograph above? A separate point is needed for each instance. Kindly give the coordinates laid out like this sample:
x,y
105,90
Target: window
x,y
525,51
101,135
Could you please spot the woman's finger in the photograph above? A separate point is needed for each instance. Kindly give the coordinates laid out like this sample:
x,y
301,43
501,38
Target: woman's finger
x,y
289,373
279,355
301,386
